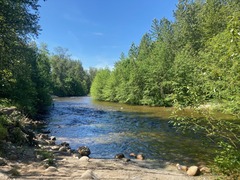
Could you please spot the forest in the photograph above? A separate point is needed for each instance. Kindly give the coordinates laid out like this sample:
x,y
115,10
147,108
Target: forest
x,y
29,73
192,61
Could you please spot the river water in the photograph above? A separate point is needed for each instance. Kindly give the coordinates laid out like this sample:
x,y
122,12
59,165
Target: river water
x,y
111,128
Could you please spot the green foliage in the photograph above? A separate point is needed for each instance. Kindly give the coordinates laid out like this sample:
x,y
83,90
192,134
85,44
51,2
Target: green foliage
x,y
99,82
68,75
3,132
3,127
21,71
228,160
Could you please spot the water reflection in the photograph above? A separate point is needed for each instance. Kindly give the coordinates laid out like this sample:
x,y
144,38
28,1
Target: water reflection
x,y
111,128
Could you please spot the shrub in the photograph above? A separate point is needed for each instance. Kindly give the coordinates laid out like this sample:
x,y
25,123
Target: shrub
x,y
228,160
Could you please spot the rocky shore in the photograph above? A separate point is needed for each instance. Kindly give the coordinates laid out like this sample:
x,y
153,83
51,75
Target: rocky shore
x,y
39,157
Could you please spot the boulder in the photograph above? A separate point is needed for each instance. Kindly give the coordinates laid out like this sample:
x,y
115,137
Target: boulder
x,y
119,156
84,151
193,171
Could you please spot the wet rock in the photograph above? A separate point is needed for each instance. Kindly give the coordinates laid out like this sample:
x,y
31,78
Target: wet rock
x,y
2,162
193,171
140,157
119,156
84,151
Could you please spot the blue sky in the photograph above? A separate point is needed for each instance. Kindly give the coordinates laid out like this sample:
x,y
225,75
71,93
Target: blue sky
x,y
97,31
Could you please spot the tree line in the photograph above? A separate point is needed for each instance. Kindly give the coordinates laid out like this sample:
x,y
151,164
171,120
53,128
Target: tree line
x,y
192,61
30,74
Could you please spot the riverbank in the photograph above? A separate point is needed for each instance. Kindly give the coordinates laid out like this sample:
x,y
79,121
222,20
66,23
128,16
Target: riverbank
x,y
47,160
68,166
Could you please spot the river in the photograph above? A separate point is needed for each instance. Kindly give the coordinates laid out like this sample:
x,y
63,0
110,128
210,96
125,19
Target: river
x,y
111,128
